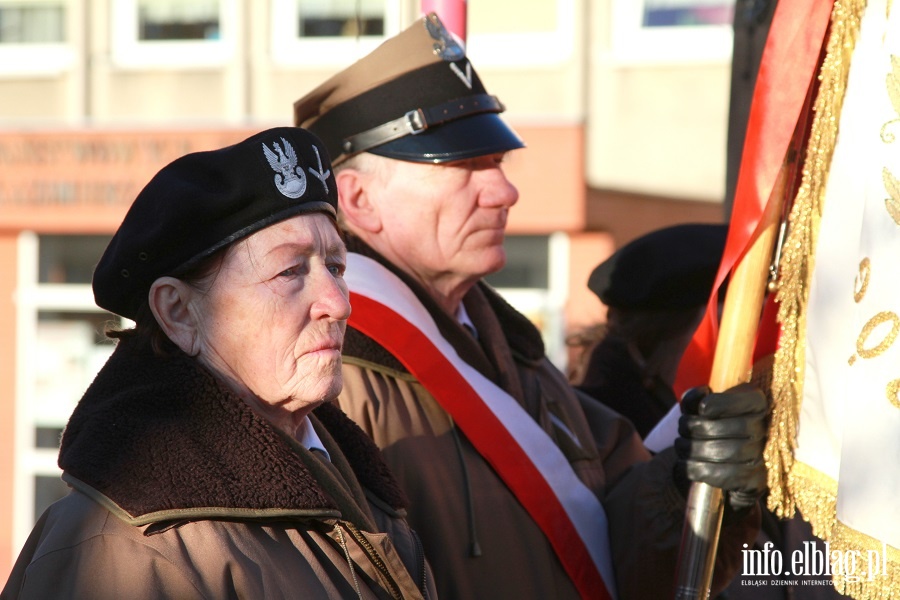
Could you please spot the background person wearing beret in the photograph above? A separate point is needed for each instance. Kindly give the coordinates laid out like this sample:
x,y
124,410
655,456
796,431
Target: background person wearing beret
x,y
205,460
655,288
486,436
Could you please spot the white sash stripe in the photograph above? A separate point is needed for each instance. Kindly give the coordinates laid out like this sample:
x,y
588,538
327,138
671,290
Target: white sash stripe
x,y
665,431
368,278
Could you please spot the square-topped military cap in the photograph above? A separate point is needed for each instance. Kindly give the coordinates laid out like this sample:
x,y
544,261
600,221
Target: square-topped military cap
x,y
204,201
416,98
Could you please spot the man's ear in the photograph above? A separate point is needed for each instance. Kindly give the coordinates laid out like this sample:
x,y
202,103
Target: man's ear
x,y
360,213
169,301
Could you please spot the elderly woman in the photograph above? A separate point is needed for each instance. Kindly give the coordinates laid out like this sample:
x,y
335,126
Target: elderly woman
x,y
206,460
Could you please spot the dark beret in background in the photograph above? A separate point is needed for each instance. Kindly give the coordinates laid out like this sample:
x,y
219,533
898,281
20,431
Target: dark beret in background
x,y
670,268
416,97
204,201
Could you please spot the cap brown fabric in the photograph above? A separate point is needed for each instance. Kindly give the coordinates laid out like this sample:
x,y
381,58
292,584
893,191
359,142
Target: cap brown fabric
x,y
203,202
416,97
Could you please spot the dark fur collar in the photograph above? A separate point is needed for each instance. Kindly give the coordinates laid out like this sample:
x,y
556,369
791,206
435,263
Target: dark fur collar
x,y
156,434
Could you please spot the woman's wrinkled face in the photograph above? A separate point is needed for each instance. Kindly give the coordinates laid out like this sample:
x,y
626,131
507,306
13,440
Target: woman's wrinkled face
x,y
273,322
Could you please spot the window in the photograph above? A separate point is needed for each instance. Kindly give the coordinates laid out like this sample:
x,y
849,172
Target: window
x,y
687,13
330,32
35,37
535,281
69,258
672,30
48,490
178,20
527,263
62,342
340,18
502,34
34,23
173,33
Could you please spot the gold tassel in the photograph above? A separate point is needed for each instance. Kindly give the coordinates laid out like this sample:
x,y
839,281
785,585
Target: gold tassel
x,y
797,260
794,485
876,576
815,496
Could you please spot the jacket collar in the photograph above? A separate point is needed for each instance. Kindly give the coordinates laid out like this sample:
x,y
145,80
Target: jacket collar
x,y
161,436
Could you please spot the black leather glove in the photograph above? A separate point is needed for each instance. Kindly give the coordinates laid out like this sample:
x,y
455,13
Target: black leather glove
x,y
721,441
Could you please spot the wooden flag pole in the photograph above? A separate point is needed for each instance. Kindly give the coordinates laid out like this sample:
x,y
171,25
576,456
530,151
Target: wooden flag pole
x,y
731,366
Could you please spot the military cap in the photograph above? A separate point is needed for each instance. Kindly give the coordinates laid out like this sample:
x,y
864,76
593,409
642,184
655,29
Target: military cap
x,y
670,268
415,97
203,202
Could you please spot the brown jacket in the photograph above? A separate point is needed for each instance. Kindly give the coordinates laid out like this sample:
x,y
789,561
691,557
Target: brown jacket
x,y
181,491
479,540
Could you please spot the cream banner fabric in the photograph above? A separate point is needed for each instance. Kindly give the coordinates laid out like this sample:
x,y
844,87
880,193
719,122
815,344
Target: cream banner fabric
x,y
845,478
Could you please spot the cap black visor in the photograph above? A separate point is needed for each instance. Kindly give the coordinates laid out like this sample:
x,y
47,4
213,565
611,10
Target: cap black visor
x,y
478,135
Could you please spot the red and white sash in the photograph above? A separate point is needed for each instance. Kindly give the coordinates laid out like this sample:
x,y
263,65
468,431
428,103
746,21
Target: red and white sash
x,y
527,460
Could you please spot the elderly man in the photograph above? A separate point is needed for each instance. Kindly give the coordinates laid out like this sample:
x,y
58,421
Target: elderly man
x,y
518,489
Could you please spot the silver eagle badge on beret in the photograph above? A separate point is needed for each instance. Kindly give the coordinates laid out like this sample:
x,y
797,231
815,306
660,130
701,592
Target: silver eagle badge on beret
x,y
289,178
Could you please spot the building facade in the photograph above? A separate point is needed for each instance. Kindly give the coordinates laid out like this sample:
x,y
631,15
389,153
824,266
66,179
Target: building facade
x,y
622,104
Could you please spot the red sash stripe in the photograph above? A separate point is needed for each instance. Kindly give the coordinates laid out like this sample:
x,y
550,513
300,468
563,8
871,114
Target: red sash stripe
x,y
488,434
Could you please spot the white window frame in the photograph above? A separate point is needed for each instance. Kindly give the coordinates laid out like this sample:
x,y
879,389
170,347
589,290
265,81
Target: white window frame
x,y
31,298
633,43
42,59
549,303
290,50
129,52
528,49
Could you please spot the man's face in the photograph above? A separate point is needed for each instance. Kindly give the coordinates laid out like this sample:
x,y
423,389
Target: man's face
x,y
445,223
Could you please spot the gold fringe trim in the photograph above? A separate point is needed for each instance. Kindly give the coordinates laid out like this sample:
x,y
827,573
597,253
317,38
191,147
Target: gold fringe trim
x,y
815,496
794,485
797,260
877,575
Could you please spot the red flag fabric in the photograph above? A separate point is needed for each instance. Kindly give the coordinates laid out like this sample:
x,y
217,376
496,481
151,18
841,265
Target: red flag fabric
x,y
788,65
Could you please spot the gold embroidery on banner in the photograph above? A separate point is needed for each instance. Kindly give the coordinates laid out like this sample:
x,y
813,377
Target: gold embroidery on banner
x,y
892,82
869,327
861,285
893,392
892,185
888,136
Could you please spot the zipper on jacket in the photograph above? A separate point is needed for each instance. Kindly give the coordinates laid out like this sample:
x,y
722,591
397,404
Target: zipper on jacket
x,y
340,533
422,562
375,558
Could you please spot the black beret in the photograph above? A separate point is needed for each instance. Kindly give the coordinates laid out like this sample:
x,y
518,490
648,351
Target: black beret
x,y
205,201
416,98
670,268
